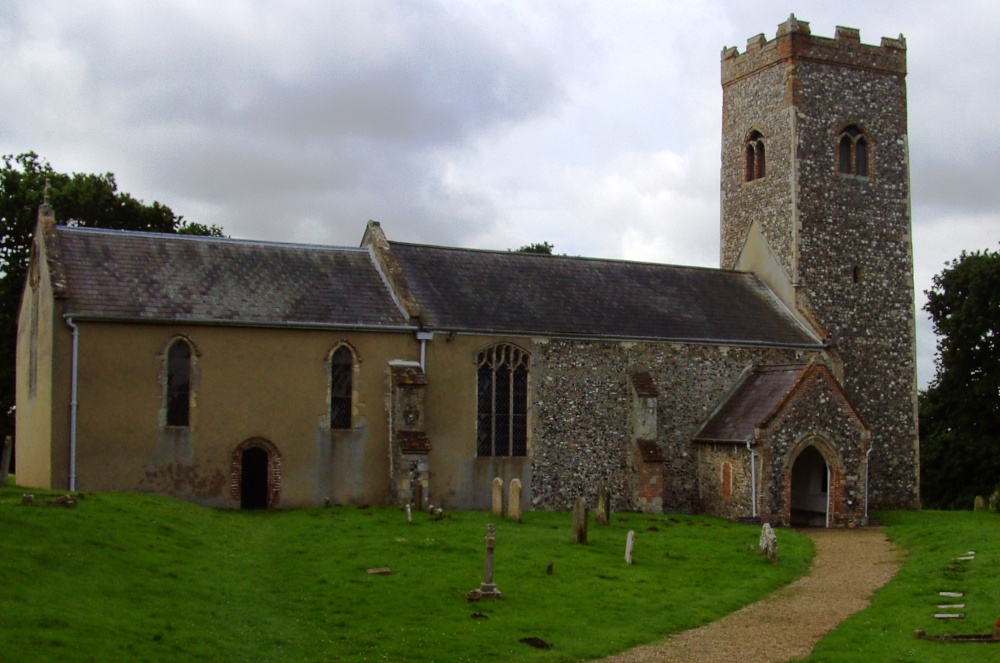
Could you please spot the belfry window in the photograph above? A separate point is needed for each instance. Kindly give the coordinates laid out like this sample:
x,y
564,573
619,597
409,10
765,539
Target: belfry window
x,y
755,158
502,386
852,152
341,387
179,384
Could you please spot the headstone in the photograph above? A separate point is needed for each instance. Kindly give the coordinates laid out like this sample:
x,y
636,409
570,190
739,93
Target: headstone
x,y
514,500
768,543
487,590
438,513
579,530
629,544
979,504
409,515
498,497
417,488
380,571
548,569
603,505
27,498
8,445
952,595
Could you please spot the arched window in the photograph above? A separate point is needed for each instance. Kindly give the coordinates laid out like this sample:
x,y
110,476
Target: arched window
x,y
852,151
179,384
756,161
341,387
502,385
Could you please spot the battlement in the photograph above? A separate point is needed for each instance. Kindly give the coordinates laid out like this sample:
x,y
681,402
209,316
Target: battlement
x,y
795,41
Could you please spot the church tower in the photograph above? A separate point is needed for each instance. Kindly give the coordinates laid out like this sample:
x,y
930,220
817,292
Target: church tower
x,y
816,201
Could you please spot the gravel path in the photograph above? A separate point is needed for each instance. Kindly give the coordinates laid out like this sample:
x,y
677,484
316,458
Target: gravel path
x,y
849,566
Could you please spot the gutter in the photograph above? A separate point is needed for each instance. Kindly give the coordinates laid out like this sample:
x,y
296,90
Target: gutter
x,y
73,404
423,337
753,479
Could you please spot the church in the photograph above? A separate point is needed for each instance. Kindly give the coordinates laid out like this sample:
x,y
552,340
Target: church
x,y
779,388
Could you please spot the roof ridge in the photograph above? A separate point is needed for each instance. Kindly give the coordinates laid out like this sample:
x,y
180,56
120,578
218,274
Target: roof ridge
x,y
531,255
206,239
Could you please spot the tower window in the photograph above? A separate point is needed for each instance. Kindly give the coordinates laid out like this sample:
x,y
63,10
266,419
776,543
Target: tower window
x,y
852,152
755,157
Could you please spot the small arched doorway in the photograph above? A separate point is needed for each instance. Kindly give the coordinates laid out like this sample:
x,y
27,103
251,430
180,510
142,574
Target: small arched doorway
x,y
256,475
253,479
810,489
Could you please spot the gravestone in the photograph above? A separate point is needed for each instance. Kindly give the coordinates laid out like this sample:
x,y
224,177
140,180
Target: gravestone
x,y
487,590
498,497
514,500
409,515
417,488
769,543
629,544
579,530
603,505
979,504
8,445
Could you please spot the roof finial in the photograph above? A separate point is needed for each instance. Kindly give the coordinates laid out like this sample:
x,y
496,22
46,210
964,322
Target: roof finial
x,y
45,209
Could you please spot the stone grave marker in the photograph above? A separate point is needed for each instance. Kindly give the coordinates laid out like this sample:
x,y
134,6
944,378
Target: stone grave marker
x,y
603,505
498,497
768,543
409,515
579,529
8,445
487,589
629,544
514,500
979,504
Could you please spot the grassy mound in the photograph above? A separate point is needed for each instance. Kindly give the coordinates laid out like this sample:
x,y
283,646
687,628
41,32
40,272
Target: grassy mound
x,y
931,540
121,576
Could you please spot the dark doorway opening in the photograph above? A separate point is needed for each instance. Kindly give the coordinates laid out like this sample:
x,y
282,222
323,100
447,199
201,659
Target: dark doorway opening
x,y
253,479
810,489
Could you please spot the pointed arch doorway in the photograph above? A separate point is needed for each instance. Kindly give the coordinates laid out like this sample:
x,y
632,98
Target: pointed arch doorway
x,y
256,475
810,489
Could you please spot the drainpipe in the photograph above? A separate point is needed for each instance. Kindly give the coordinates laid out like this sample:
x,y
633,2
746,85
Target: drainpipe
x,y
867,474
423,337
73,404
753,479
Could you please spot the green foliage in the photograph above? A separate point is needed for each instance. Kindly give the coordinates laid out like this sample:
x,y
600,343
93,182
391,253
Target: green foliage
x,y
79,199
930,541
960,411
538,247
139,577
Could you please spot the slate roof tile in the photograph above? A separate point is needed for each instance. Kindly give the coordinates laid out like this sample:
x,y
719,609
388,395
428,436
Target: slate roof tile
x,y
149,276
511,292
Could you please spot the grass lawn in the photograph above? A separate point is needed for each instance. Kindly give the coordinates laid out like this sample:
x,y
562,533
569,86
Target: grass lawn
x,y
139,577
931,540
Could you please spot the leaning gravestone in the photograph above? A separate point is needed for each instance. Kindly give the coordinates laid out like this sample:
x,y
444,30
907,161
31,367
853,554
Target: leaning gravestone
x,y
603,514
579,531
769,543
979,504
514,500
629,544
498,497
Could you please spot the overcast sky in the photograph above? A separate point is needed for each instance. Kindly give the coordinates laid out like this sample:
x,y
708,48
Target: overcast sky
x,y
591,125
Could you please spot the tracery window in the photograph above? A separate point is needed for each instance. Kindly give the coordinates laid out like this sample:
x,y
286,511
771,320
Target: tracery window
x,y
852,152
755,156
341,387
179,383
502,386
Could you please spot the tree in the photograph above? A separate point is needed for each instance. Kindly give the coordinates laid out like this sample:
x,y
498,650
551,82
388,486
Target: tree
x,y
79,199
538,247
960,410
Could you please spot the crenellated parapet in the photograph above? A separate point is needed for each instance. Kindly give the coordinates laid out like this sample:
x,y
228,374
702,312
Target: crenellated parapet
x,y
794,40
